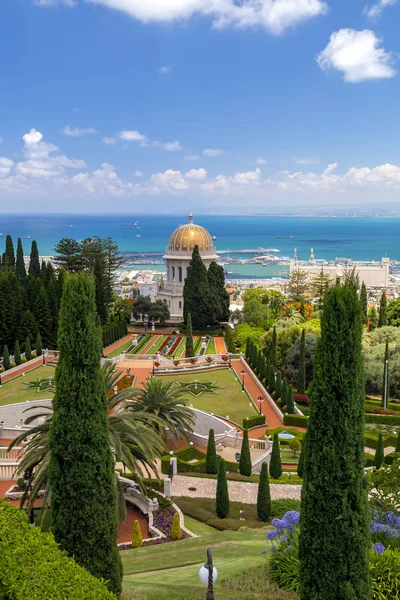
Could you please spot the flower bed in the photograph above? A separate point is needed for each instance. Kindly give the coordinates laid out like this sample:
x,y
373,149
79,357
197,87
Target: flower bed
x,y
174,346
162,520
165,342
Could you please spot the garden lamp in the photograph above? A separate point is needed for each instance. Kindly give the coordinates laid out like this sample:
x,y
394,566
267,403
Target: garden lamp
x,y
208,576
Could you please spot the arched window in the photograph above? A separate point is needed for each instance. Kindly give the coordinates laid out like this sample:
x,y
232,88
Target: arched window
x,y
180,274
173,273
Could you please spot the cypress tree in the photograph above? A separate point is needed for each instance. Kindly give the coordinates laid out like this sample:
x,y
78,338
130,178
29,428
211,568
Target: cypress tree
x,y
245,457
271,379
364,303
17,353
197,298
28,351
222,504
20,264
253,358
6,358
211,457
284,395
264,495
176,533
263,373
334,526
382,321
290,401
84,524
39,345
386,380
398,443
300,464
137,540
301,373
275,465
42,314
267,374
34,262
272,354
189,337
373,318
278,385
379,453
9,255
248,349
216,282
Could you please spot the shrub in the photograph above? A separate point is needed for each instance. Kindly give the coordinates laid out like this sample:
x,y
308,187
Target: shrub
x,y
264,495
275,466
385,575
32,565
209,359
6,358
300,398
211,457
379,453
12,365
176,528
137,540
222,504
284,505
254,421
382,420
245,457
295,445
295,421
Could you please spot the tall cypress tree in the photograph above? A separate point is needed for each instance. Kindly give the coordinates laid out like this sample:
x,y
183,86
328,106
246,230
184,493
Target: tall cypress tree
x,y
373,318
42,315
17,353
271,379
248,349
20,264
301,373
38,345
290,401
216,282
84,524
264,494
334,526
6,358
285,389
272,355
364,303
197,299
278,385
300,464
245,457
9,255
222,504
379,453
275,465
28,351
34,262
211,456
386,379
189,337
382,321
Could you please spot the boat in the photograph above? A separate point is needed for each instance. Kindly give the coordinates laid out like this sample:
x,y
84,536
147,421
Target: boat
x,y
214,237
138,235
284,237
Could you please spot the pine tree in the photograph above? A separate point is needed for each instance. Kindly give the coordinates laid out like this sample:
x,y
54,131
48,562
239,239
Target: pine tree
x,y
264,495
398,443
290,401
189,337
84,524
297,285
197,298
334,525
373,318
39,345
34,262
245,456
302,309
176,533
382,321
272,355
364,303
11,308
211,457
6,358
222,504
300,464
20,264
28,351
301,373
278,385
318,286
137,539
379,453
9,255
386,379
69,255
275,465
28,326
17,354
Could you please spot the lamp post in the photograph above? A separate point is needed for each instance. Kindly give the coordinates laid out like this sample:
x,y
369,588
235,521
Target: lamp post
x,y
208,575
28,476
385,388
243,373
260,400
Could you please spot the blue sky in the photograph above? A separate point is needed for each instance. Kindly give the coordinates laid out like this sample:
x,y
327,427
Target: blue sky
x,y
225,105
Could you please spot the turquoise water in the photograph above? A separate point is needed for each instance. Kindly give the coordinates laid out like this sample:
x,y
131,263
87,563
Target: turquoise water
x,y
356,238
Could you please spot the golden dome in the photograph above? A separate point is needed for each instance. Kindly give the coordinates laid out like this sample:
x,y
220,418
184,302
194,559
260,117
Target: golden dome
x,y
186,237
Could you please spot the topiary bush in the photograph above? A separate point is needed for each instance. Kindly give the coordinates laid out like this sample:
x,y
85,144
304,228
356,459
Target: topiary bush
x,y
137,540
245,457
222,504
211,457
176,533
256,420
264,495
379,453
296,420
275,466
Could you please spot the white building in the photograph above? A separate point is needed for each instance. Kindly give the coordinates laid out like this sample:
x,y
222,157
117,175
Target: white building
x,y
178,256
373,274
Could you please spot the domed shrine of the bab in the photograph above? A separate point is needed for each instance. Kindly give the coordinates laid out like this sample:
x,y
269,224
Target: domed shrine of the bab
x,y
178,255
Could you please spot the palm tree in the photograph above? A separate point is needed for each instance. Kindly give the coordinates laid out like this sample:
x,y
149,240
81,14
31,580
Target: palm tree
x,y
290,313
164,400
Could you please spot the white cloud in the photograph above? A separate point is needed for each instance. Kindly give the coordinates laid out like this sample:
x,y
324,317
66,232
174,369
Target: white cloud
x,y
375,10
305,160
33,137
358,55
165,69
273,15
169,146
54,2
77,131
192,157
212,152
135,136
261,161
169,181
6,165
110,141
138,174
132,136
196,174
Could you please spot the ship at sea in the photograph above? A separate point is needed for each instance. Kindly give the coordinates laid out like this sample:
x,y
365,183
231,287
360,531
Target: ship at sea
x,y
284,237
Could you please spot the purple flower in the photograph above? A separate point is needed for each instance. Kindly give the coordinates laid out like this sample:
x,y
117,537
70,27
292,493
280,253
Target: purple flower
x,y
292,517
275,522
378,548
283,539
290,548
271,535
263,551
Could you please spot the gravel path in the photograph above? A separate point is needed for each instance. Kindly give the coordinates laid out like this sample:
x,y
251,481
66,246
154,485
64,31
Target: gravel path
x,y
238,491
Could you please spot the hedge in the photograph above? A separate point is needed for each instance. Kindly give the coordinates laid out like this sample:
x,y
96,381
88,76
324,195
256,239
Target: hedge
x,y
249,422
32,566
295,420
371,441
140,345
382,419
114,331
185,455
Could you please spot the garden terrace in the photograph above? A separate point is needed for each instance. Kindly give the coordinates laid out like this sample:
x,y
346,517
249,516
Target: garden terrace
x,y
15,391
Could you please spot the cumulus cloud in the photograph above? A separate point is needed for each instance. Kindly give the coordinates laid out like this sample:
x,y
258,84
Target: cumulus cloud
x,y
358,55
77,131
196,174
305,160
212,152
6,165
138,173
273,15
169,146
375,10
132,136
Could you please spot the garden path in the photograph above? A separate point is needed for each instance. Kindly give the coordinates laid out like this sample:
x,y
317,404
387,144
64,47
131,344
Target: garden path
x,y
142,369
220,345
238,491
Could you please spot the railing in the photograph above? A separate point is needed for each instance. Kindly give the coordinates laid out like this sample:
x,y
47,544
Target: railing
x,y
8,469
10,433
12,455
262,388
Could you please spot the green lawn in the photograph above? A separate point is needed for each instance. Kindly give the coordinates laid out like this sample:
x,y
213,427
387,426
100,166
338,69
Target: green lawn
x,y
228,401
211,347
153,349
197,527
170,571
119,350
14,391
181,347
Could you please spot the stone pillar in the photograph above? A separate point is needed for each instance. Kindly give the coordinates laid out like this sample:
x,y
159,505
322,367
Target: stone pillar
x,y
174,466
168,487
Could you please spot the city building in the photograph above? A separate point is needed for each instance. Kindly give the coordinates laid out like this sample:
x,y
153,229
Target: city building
x,y
177,257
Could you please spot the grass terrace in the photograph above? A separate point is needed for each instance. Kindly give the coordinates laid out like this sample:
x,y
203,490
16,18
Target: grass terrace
x,y
119,350
157,343
14,391
181,348
229,400
211,349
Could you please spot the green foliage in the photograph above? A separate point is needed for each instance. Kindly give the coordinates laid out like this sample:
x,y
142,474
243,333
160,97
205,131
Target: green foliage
x,y
297,285
385,575
334,556
383,319
255,313
319,284
382,420
278,385
176,528
295,446
300,464
28,351
290,401
273,349
17,354
34,262
379,453
189,337
282,506
373,318
385,486
398,443
186,456
264,495
245,457
20,264
229,340
197,297
39,345
32,566
245,332
364,303
137,540
374,356
218,292
6,358
393,313
256,420
211,457
296,420
301,374
275,466
222,504
294,369
285,569
80,453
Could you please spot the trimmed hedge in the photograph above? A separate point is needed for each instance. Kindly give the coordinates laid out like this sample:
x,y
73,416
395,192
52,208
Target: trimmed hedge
x,y
371,441
32,566
140,345
295,420
256,420
184,455
382,420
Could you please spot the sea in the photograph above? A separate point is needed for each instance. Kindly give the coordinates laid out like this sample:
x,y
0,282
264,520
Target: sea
x,y
357,238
